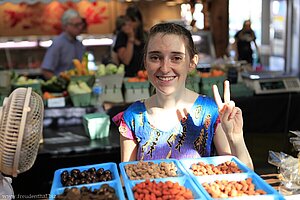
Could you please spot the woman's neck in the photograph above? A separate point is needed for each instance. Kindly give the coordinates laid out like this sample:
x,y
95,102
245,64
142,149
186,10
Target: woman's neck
x,y
170,109
167,102
170,102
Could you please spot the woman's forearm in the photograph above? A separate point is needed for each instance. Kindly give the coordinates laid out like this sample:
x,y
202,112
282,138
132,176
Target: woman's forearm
x,y
239,149
128,52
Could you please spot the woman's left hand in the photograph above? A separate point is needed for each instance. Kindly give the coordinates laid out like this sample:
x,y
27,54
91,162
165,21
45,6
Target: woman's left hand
x,y
230,116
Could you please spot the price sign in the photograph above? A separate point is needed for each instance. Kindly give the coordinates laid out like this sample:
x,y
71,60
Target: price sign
x,y
56,102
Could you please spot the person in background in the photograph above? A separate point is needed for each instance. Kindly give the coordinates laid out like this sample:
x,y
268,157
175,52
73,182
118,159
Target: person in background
x,y
65,47
177,122
120,24
130,42
242,45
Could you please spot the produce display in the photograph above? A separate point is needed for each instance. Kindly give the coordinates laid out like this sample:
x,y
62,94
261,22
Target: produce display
x,y
111,78
105,192
214,72
81,66
78,87
141,76
55,84
23,80
110,69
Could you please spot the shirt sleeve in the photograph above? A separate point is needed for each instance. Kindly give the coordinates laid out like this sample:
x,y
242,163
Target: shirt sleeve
x,y
124,129
121,41
50,60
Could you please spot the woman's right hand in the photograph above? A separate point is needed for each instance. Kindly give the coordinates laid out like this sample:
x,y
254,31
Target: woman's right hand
x,y
128,30
230,115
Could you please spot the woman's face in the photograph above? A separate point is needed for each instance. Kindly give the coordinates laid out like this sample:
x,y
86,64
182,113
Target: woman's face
x,y
167,62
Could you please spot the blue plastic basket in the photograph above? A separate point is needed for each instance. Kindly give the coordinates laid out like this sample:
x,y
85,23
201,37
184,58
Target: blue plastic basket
x,y
58,188
183,181
215,160
259,183
114,184
180,170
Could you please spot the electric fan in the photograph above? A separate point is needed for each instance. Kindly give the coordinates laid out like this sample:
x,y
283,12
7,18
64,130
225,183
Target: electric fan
x,y
21,124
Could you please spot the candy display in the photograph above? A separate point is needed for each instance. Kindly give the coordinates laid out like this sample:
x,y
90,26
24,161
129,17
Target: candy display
x,y
198,178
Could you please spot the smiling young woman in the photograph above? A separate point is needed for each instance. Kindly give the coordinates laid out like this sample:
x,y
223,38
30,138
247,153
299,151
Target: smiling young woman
x,y
176,122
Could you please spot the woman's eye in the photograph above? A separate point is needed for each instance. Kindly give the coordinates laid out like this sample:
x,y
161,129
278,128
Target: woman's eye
x,y
154,58
176,58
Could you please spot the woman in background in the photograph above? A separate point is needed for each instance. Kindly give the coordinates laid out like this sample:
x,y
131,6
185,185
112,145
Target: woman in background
x,y
130,42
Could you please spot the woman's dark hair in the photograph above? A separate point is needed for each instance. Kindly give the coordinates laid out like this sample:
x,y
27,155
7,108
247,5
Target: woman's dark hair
x,y
172,28
120,22
134,14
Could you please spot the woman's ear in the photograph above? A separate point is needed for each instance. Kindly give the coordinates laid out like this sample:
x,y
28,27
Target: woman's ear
x,y
194,62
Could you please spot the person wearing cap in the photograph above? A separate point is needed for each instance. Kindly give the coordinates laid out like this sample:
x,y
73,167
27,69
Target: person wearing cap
x,y
65,47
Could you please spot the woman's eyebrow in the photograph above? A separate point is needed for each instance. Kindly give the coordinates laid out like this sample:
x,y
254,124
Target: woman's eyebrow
x,y
153,52
173,52
178,52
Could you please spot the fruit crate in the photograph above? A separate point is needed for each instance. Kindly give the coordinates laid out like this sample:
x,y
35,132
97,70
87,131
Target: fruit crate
x,y
136,90
36,87
2,97
5,83
81,100
193,83
112,81
112,87
58,188
89,79
96,125
240,90
207,83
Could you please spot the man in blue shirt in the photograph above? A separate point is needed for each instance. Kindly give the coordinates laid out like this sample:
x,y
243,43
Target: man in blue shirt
x,y
65,47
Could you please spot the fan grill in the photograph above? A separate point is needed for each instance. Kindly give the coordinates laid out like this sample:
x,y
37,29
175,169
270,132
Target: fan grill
x,y
11,127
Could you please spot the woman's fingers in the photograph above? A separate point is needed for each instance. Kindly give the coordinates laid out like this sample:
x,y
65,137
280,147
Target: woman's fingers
x,y
228,109
226,92
217,97
234,112
180,116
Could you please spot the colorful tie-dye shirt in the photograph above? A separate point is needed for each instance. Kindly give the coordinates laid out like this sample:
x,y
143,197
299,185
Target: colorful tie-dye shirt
x,y
191,138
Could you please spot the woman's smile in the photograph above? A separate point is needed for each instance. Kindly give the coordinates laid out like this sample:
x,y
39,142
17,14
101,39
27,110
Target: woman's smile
x,y
166,78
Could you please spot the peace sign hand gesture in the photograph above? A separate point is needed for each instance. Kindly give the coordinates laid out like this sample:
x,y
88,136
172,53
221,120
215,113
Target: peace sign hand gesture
x,y
230,116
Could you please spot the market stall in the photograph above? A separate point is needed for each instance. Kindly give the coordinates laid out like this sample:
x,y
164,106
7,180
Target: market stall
x,y
79,137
